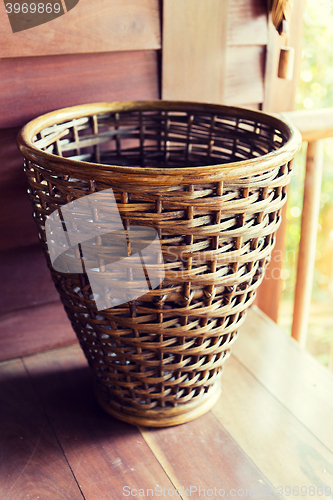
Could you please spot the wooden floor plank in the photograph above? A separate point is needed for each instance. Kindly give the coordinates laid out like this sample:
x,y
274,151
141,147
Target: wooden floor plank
x,y
202,454
34,329
262,433
31,461
296,379
280,446
106,455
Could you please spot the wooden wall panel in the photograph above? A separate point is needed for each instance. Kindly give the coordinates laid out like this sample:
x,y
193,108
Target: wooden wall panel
x,y
229,66
34,329
194,41
92,26
245,75
29,87
33,86
127,75
17,228
247,22
26,280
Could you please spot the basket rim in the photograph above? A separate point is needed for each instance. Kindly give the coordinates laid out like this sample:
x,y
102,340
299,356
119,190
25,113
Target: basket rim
x,y
269,160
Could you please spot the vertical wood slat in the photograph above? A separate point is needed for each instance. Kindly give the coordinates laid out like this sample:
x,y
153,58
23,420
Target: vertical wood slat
x,y
307,246
193,70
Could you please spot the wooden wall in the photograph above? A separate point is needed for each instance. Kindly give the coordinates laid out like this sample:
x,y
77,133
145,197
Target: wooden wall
x,y
104,50
216,51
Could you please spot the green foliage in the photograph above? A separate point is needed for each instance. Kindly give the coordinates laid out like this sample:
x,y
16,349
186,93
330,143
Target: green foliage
x,y
316,79
315,91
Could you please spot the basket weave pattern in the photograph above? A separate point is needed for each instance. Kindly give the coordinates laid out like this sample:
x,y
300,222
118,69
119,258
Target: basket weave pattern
x,y
161,356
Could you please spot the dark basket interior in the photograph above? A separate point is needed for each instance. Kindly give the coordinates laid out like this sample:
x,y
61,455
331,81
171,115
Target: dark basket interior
x,y
162,138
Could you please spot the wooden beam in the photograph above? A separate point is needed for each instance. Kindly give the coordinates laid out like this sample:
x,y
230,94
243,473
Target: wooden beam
x,y
193,70
307,246
313,124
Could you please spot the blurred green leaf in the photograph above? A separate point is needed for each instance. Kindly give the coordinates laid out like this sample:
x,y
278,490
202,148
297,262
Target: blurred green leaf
x,y
315,90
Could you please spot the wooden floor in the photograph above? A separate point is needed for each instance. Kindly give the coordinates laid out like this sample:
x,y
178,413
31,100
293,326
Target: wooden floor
x,y
272,430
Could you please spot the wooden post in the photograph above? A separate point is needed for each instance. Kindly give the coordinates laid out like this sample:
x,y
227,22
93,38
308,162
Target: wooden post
x,y
307,247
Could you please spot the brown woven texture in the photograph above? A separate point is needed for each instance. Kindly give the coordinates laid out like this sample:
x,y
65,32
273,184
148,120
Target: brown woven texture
x,y
212,181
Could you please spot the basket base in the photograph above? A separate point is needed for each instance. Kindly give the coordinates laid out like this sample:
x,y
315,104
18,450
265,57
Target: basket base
x,y
189,411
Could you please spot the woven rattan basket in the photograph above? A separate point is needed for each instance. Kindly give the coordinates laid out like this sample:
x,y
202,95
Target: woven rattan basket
x,y
211,180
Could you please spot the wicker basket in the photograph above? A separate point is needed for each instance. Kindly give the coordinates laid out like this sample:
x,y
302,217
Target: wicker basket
x,y
211,180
